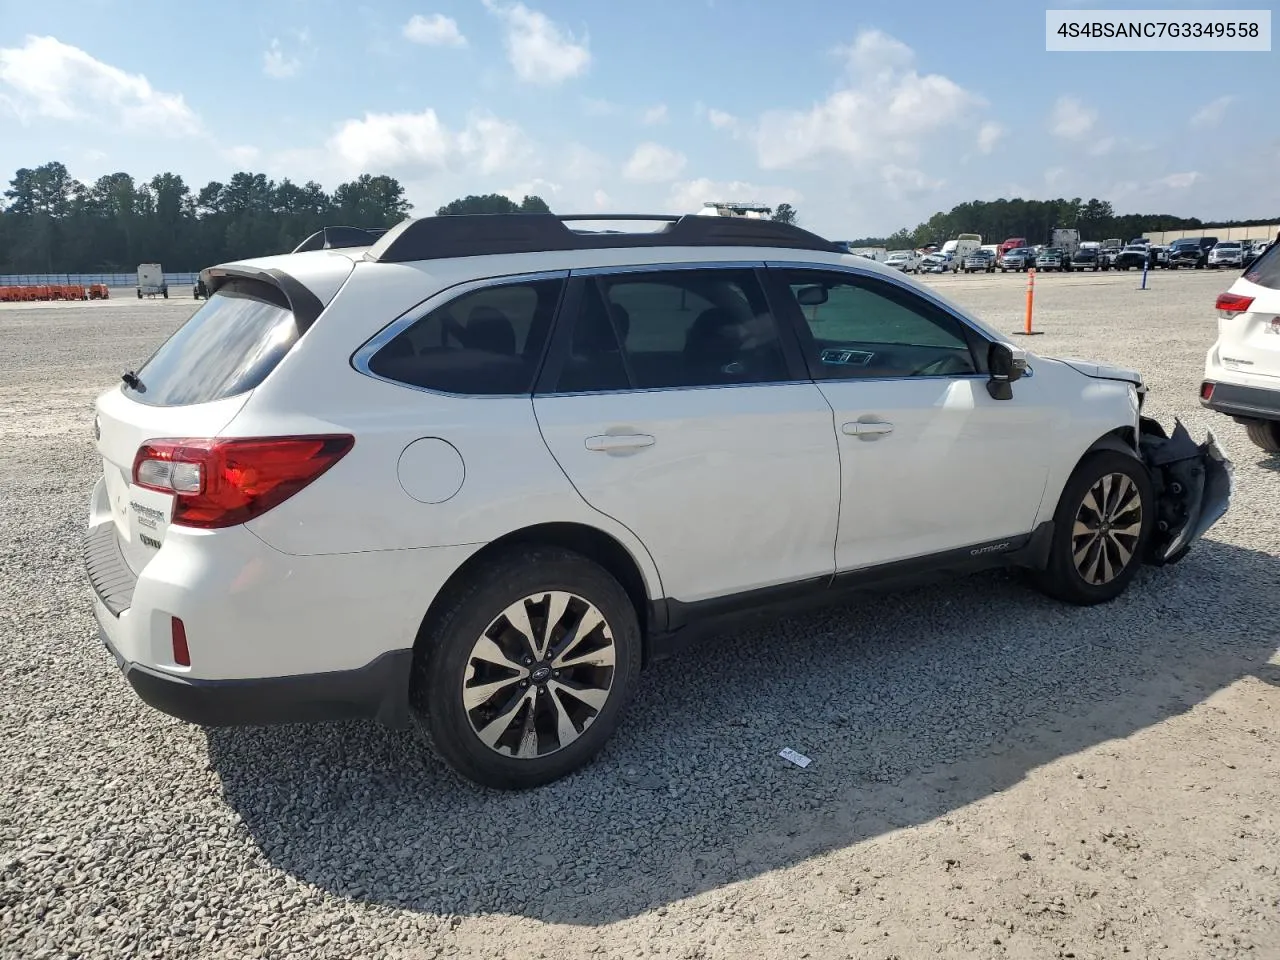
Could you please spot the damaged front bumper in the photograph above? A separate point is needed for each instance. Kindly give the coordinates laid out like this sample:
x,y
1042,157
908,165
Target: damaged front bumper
x,y
1192,482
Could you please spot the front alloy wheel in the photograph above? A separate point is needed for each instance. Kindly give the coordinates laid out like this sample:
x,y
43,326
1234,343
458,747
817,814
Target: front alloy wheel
x,y
1105,534
1100,529
539,675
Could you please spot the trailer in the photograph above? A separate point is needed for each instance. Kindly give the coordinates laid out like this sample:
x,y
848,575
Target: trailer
x,y
151,281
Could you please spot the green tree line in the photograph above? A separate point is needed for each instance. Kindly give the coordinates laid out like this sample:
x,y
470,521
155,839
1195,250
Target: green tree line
x,y
53,223
998,220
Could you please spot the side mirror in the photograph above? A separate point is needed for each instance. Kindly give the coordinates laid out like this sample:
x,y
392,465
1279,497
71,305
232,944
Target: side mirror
x,y
813,296
1005,365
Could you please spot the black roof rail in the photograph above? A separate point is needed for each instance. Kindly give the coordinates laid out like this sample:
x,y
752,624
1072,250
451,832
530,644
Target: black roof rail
x,y
338,237
474,235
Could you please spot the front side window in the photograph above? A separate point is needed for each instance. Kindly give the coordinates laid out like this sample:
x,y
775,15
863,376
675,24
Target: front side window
x,y
488,341
863,327
672,329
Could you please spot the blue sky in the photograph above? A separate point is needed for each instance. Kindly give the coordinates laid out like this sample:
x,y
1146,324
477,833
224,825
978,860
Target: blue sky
x,y
866,117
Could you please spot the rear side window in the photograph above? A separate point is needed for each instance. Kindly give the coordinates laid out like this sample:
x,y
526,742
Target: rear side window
x,y
670,330
485,342
228,347
1265,272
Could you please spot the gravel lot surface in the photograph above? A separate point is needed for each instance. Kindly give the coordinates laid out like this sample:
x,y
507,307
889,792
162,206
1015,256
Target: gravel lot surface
x,y
993,776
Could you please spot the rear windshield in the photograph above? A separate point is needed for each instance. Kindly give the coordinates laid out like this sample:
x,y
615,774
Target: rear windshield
x,y
228,347
1265,271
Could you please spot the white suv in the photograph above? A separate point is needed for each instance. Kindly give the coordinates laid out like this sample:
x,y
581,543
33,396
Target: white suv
x,y
1242,368
471,477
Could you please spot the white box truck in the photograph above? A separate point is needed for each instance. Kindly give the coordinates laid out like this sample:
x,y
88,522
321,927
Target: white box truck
x,y
151,281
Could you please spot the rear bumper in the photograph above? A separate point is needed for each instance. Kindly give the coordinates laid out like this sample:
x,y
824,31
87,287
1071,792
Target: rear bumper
x,y
271,637
1250,403
369,692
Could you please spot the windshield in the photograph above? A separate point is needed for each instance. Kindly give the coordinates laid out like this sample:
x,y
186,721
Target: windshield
x,y
1228,245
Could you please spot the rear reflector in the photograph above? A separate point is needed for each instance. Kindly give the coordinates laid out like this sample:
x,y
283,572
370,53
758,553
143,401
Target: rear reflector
x,y
1206,390
1232,304
181,655
221,483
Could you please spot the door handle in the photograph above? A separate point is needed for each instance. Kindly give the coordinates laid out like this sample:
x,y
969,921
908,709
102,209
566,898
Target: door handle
x,y
867,429
610,443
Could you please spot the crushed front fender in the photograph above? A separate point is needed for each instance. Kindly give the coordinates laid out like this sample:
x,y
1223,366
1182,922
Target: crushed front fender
x,y
1192,482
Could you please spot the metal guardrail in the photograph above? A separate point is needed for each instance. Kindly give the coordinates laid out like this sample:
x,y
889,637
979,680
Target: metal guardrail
x,y
86,279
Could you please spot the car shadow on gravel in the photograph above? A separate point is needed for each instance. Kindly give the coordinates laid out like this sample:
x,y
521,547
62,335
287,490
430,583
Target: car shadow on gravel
x,y
911,705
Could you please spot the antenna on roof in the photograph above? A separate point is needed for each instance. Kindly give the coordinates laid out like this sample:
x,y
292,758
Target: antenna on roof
x,y
339,237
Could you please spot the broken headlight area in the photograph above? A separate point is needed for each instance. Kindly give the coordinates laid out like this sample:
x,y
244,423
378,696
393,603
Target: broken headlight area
x,y
1192,483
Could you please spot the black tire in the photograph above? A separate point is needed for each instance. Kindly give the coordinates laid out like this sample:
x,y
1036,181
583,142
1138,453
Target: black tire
x,y
1061,579
445,648
1265,434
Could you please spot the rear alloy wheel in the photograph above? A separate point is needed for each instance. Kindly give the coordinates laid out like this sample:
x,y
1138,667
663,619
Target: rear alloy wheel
x,y
1101,528
524,675
1265,433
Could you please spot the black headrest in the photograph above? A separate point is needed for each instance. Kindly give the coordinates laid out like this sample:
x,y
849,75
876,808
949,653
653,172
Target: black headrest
x,y
713,333
489,329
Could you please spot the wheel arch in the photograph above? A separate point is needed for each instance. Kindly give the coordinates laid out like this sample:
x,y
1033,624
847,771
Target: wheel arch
x,y
591,542
1121,439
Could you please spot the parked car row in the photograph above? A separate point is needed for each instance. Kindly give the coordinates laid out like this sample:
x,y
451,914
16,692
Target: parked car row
x,y
1071,254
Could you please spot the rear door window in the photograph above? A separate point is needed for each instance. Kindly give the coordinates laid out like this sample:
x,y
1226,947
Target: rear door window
x,y
228,347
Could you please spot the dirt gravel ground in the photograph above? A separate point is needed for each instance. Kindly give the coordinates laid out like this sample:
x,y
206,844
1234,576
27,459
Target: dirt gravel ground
x,y
993,776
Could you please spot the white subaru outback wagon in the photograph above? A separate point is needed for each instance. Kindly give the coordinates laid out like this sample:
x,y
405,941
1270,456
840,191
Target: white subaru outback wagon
x,y
472,474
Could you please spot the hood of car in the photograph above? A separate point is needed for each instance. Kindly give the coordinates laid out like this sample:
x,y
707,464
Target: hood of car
x,y
1101,371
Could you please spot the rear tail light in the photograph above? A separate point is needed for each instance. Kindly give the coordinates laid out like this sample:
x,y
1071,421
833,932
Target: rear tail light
x,y
221,483
1232,304
1206,390
181,655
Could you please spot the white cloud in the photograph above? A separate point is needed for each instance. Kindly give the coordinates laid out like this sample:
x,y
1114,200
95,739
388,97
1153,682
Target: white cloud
x,y
907,182
1211,114
653,163
494,144
688,196
989,135
654,115
48,78
601,200
1054,176
876,53
1179,181
1100,148
421,141
540,51
599,107
883,111
241,156
722,120
435,30
277,64
1071,119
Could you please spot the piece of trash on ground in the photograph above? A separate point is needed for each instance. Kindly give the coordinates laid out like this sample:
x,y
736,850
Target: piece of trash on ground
x,y
799,759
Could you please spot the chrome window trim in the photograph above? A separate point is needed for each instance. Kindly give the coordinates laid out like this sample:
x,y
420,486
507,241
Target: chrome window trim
x,y
668,267
364,354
